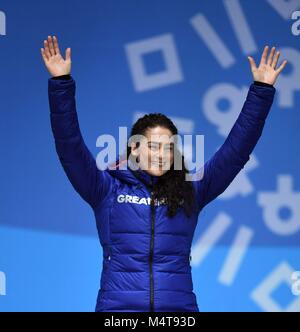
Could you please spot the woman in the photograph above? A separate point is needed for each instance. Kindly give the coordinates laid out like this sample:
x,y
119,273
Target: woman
x,y
146,217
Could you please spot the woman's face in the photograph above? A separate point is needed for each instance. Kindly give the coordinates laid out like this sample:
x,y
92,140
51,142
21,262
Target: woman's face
x,y
156,151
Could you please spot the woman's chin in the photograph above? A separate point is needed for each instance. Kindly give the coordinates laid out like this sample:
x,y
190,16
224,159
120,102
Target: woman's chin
x,y
157,171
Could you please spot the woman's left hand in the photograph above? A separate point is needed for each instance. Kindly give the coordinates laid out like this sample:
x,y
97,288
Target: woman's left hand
x,y
267,72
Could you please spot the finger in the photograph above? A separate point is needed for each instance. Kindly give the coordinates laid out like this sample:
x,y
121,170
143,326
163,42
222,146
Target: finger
x,y
44,55
275,60
264,56
46,46
252,63
51,47
56,47
68,53
270,58
281,67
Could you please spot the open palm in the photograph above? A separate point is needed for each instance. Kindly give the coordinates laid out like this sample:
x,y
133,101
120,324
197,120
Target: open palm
x,y
267,72
53,60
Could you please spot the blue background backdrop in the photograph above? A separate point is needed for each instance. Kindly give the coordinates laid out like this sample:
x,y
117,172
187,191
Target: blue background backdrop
x,y
195,70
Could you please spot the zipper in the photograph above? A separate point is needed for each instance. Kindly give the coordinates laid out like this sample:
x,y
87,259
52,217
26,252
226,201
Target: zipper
x,y
151,254
150,189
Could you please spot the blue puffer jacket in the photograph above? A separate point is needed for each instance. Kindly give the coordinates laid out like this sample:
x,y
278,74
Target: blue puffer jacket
x,y
146,256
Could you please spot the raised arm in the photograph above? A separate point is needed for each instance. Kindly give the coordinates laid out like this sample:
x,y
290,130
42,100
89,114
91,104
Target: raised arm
x,y
231,157
80,166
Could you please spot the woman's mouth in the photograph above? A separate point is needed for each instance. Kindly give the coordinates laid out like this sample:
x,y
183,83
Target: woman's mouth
x,y
158,164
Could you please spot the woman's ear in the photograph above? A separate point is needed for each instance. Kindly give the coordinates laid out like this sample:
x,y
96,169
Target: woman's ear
x,y
134,149
134,155
135,146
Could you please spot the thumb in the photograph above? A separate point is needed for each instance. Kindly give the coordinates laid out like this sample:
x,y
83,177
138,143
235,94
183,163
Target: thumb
x,y
252,63
68,54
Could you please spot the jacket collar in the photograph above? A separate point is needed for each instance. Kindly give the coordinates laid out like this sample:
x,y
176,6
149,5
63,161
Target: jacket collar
x,y
131,176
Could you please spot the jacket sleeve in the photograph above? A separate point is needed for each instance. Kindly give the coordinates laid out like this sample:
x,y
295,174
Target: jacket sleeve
x,y
78,163
219,171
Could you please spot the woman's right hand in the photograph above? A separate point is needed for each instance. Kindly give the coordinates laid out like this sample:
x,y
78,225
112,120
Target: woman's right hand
x,y
54,62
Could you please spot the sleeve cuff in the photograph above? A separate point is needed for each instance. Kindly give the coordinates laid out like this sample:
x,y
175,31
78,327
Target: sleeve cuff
x,y
58,84
62,77
262,84
259,100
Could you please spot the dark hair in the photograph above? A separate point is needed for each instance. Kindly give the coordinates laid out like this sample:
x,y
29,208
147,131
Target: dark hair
x,y
172,185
